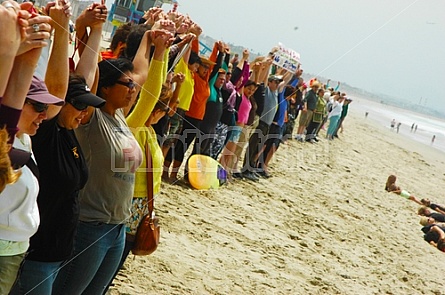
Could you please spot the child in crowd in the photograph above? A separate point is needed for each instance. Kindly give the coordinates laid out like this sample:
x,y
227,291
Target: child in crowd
x,y
393,188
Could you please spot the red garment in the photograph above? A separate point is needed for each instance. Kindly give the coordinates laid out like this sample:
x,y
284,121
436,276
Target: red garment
x,y
107,55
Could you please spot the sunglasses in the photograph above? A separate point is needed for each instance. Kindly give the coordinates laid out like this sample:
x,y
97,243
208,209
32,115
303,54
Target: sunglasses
x,y
130,84
38,106
80,106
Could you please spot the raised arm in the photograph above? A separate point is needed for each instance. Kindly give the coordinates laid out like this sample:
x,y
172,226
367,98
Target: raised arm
x,y
152,87
265,69
15,24
93,15
56,78
20,77
286,79
178,79
93,18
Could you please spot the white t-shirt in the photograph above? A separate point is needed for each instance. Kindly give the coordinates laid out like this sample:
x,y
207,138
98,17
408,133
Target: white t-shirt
x,y
19,214
337,107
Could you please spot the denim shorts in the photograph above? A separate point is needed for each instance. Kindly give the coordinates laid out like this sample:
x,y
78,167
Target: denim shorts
x,y
235,133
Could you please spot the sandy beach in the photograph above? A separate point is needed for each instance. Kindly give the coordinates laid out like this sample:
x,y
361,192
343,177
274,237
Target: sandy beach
x,y
323,224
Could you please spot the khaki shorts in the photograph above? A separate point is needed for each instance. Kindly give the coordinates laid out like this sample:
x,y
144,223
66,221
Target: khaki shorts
x,y
305,118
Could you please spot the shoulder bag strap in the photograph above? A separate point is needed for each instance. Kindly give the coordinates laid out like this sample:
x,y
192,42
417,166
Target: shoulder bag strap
x,y
149,175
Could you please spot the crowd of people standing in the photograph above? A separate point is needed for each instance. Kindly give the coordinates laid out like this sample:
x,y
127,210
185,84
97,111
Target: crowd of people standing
x,y
73,162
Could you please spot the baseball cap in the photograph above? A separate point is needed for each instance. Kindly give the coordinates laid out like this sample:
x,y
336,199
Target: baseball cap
x,y
80,93
38,92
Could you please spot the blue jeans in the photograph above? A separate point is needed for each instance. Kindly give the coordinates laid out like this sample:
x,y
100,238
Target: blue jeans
x,y
98,250
36,277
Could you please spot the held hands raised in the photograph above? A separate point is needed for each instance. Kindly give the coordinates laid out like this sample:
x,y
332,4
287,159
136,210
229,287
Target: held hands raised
x,y
160,38
152,15
13,20
165,24
178,78
94,16
60,12
37,32
246,54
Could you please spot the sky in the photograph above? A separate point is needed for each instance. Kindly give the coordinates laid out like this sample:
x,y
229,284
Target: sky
x,y
393,47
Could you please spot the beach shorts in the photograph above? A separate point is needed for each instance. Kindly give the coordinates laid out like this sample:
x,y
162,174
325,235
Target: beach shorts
x,y
275,135
305,118
235,133
405,194
176,123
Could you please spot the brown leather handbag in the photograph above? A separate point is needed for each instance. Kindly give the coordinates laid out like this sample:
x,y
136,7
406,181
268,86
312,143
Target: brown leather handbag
x,y
148,232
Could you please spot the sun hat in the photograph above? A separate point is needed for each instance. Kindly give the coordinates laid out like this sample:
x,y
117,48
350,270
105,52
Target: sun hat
x,y
39,93
206,61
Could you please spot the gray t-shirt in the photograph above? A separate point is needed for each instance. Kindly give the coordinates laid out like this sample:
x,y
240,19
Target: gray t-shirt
x,y
270,106
112,155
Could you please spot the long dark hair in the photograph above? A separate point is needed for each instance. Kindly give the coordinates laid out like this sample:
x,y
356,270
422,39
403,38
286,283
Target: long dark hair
x,y
111,70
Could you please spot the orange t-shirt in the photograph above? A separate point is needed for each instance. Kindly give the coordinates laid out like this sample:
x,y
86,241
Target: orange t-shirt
x,y
201,92
199,100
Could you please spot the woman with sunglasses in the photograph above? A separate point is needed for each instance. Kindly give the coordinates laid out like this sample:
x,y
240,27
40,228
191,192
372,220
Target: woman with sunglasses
x,y
113,155
19,216
62,173
146,135
62,168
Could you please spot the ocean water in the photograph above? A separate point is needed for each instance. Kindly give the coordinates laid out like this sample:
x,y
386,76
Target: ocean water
x,y
427,126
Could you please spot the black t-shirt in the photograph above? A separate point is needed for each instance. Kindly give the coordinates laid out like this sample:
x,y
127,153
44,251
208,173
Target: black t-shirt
x,y
435,206
438,217
63,172
431,236
259,96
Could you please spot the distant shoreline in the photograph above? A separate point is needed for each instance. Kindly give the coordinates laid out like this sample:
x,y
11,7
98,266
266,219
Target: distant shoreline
x,y
419,141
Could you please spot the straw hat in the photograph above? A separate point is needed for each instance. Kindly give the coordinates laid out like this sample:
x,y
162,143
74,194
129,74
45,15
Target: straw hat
x,y
207,62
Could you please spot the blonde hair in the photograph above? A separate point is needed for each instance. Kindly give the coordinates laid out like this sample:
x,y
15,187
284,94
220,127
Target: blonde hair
x,y
7,174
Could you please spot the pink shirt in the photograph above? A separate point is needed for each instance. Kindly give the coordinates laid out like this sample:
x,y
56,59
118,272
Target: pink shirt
x,y
244,110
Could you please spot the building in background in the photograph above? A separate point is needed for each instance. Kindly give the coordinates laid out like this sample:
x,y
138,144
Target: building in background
x,y
124,11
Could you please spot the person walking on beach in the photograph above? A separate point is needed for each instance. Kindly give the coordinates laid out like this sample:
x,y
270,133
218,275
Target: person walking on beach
x,y
433,139
398,126
412,127
393,123
415,129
